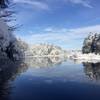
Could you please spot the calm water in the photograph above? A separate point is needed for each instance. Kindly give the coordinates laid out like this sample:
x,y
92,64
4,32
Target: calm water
x,y
49,79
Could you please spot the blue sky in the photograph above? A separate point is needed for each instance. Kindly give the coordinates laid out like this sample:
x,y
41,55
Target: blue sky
x,y
61,22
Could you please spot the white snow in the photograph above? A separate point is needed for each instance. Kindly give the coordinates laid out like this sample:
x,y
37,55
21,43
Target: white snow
x,y
80,57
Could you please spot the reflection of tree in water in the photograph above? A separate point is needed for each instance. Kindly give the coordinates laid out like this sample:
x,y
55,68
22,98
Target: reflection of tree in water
x,y
42,62
8,72
92,70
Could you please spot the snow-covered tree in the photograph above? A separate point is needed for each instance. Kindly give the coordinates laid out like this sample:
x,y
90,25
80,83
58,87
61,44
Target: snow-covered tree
x,y
92,44
45,50
10,46
4,3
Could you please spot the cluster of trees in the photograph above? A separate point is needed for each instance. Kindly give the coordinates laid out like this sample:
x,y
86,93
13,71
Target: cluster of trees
x,y
46,49
92,44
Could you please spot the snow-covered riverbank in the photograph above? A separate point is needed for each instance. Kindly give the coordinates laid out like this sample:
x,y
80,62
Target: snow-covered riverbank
x,y
90,57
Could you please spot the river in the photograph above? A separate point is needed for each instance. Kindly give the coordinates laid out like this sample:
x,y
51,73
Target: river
x,y
49,79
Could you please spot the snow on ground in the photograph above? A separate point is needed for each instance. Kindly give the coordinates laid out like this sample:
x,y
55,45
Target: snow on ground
x,y
79,57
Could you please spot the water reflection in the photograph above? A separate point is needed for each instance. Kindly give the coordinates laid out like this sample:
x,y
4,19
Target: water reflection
x,y
8,72
34,80
41,62
92,70
79,61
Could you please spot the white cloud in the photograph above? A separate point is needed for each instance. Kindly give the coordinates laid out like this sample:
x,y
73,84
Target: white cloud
x,y
47,38
45,4
48,29
76,32
85,3
85,30
63,37
34,3
55,30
